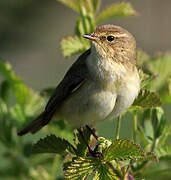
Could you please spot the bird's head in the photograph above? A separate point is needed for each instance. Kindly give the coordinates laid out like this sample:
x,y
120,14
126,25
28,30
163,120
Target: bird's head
x,y
113,43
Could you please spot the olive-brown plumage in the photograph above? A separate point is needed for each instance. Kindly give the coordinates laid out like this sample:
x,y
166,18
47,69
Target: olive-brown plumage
x,y
100,85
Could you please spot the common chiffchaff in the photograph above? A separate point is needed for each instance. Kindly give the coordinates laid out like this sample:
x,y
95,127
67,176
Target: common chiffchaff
x,y
100,85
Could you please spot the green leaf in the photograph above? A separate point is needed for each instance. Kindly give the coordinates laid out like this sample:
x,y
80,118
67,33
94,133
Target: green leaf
x,y
169,85
116,11
19,89
146,79
95,5
161,67
165,134
73,4
146,99
81,148
52,144
158,121
105,172
142,57
162,151
80,168
29,103
73,45
124,150
5,90
85,24
6,126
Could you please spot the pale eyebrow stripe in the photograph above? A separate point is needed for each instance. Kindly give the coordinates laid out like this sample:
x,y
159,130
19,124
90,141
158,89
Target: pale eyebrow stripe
x,y
122,35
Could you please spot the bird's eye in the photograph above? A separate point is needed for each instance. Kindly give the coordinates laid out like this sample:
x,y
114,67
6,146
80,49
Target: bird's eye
x,y
110,38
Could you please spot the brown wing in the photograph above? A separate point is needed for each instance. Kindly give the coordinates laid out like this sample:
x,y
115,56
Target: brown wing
x,y
73,78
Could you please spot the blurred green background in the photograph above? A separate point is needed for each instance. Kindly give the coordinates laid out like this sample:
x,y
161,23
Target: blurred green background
x,y
31,30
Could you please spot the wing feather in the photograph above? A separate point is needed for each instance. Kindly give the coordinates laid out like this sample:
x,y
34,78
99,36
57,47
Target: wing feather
x,y
71,82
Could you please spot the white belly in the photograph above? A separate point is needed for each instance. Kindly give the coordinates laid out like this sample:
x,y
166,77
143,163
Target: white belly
x,y
110,90
88,105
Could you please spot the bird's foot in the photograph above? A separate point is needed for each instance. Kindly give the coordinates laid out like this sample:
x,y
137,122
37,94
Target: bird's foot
x,y
95,153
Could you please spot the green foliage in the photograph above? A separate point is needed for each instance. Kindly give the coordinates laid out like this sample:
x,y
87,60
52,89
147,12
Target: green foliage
x,y
147,99
89,20
116,11
80,168
115,159
74,4
73,45
81,148
52,144
123,150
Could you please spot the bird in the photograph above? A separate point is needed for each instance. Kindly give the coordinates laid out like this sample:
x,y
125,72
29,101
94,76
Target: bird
x,y
100,85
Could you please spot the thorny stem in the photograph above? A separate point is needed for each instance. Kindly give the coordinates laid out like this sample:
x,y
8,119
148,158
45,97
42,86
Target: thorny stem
x,y
118,127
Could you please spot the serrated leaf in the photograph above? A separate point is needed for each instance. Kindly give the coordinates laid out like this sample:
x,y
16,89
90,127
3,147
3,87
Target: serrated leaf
x,y
123,150
73,4
80,167
116,11
105,172
52,144
73,45
81,147
147,99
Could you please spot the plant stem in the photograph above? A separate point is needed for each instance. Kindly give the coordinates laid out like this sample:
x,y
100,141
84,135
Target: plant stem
x,y
54,166
134,127
118,127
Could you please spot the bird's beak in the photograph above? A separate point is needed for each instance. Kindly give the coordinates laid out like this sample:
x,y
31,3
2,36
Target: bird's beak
x,y
90,37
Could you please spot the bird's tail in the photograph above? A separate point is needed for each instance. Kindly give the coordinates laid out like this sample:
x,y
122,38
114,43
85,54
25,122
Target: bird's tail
x,y
36,124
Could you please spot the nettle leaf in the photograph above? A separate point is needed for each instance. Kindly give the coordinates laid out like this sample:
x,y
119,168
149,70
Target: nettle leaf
x,y
116,11
123,150
105,172
52,144
80,168
73,45
147,99
81,148
73,4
